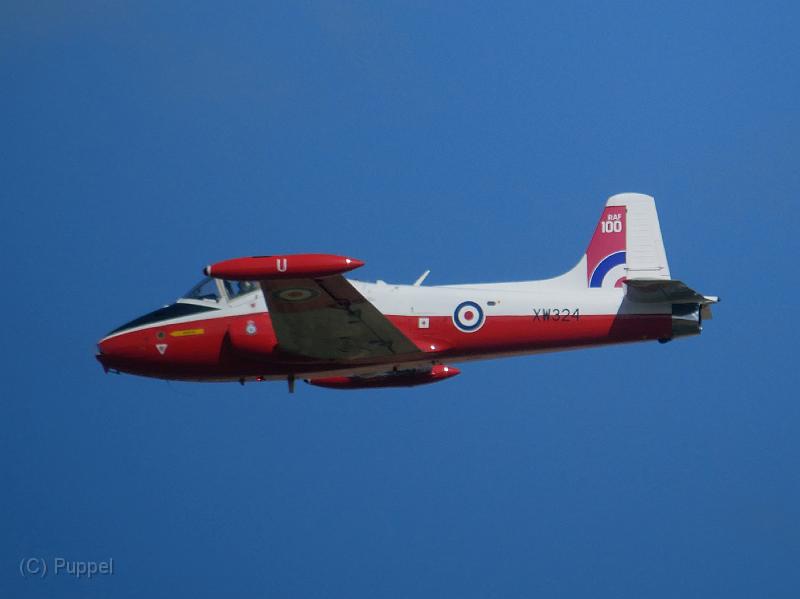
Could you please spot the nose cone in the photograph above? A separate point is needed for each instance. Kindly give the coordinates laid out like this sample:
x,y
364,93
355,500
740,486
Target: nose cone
x,y
121,351
125,348
155,345
442,371
353,263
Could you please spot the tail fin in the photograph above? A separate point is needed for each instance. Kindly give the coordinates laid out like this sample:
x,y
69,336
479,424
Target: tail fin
x,y
627,243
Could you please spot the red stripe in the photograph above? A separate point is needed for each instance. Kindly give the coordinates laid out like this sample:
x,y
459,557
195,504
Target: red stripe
x,y
225,350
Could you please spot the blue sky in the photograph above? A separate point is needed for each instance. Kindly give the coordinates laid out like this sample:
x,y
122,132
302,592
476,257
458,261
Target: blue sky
x,y
140,142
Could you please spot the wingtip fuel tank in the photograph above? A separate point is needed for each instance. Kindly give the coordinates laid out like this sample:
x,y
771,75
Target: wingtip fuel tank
x,y
290,266
400,378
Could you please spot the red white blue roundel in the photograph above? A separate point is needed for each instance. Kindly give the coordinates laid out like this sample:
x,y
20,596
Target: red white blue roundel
x,y
468,317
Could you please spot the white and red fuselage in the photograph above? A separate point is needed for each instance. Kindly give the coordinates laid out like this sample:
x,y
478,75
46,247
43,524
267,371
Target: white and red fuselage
x,y
281,317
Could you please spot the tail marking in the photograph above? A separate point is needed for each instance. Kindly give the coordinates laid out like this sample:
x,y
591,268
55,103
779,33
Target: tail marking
x,y
606,257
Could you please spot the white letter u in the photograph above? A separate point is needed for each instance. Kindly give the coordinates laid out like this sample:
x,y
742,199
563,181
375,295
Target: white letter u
x,y
281,267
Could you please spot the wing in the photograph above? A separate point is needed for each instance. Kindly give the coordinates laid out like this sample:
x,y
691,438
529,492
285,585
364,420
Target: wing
x,y
327,318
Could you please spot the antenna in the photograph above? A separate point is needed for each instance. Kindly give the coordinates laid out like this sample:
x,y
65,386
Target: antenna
x,y
422,277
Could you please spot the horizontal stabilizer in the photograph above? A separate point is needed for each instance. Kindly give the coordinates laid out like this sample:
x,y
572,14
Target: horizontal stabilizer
x,y
665,291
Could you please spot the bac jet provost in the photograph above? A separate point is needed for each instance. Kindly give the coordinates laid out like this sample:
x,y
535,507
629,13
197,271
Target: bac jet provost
x,y
289,316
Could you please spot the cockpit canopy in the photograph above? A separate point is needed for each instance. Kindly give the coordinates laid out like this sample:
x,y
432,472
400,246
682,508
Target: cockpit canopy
x,y
207,296
206,289
214,290
237,288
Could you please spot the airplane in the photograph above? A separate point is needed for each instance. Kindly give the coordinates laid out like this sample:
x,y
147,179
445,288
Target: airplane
x,y
296,316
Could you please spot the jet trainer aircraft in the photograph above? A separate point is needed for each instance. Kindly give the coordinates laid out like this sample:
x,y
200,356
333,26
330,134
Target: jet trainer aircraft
x,y
283,317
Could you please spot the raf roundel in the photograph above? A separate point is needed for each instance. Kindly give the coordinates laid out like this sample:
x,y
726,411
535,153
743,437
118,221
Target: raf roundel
x,y
468,317
297,294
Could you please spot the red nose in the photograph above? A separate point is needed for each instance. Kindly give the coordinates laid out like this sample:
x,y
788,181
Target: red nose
x,y
121,350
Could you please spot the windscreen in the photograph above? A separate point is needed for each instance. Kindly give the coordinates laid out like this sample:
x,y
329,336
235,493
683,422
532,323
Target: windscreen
x,y
204,290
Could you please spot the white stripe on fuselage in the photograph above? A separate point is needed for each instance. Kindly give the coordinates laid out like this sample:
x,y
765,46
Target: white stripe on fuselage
x,y
501,299
240,306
